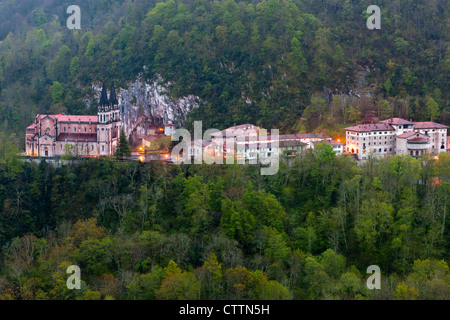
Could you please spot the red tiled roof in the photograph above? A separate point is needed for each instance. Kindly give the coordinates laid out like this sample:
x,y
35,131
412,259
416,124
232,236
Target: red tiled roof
x,y
407,134
153,137
72,118
88,137
397,121
429,125
302,136
370,127
236,130
418,140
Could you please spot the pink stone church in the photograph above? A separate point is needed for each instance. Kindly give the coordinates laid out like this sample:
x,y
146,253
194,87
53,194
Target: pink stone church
x,y
87,136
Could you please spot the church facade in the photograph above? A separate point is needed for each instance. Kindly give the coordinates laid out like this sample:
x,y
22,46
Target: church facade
x,y
81,135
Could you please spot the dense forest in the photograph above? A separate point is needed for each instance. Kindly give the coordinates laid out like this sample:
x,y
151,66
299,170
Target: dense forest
x,y
160,231
262,62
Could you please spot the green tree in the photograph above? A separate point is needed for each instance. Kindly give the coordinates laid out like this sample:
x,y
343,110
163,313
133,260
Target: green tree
x,y
123,148
432,109
57,92
273,290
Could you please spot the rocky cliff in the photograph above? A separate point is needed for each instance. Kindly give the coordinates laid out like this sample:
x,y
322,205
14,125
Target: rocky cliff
x,y
143,104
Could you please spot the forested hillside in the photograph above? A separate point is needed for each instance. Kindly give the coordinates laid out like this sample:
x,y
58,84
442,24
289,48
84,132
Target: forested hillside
x,y
158,231
262,62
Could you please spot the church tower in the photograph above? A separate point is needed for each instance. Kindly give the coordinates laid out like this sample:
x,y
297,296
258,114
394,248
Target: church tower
x,y
108,129
115,119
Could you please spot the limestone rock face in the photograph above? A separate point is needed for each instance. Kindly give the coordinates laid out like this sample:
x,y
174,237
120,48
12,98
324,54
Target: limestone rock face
x,y
143,104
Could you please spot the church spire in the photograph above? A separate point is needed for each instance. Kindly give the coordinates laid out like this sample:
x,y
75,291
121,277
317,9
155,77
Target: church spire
x,y
104,97
112,96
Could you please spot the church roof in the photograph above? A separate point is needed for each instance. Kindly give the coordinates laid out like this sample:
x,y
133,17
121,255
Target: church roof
x,y
81,137
72,118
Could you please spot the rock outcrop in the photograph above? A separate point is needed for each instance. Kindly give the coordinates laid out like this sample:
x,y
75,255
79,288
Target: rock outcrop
x,y
144,104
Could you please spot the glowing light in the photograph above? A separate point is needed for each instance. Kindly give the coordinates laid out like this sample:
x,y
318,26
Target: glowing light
x,y
141,158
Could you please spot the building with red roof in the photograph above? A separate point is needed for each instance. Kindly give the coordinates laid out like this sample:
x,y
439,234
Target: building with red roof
x,y
86,135
395,136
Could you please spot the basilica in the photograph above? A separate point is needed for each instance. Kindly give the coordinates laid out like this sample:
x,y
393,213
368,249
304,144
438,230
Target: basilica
x,y
85,136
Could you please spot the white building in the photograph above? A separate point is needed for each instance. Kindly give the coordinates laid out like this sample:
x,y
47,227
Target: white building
x,y
395,136
245,142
